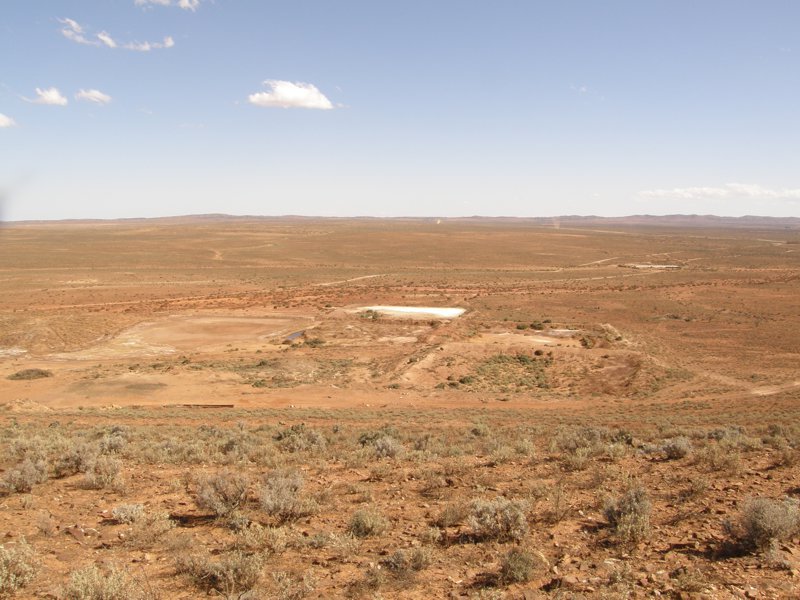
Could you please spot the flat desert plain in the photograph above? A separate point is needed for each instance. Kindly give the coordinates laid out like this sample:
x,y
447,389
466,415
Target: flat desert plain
x,y
293,407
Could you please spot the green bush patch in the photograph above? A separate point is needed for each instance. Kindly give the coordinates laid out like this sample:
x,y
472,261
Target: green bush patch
x,y
27,374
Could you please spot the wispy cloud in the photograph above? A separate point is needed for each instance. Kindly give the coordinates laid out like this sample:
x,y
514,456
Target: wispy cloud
x,y
6,121
106,39
167,42
728,190
184,4
287,94
95,96
74,31
49,96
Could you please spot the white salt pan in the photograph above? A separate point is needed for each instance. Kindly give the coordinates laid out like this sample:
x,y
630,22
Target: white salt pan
x,y
425,311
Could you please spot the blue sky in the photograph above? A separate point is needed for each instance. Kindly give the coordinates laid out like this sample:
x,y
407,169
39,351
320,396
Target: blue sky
x,y
131,108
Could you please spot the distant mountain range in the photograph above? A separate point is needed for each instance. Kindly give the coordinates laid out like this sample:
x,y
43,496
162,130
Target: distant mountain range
x,y
698,221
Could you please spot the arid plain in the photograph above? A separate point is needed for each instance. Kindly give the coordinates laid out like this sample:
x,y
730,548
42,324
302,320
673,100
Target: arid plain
x,y
224,406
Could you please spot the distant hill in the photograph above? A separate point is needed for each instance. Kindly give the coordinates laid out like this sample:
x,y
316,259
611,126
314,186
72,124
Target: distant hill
x,y
681,221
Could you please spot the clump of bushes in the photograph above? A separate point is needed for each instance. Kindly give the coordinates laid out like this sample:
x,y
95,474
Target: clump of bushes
x,y
678,447
77,457
17,567
763,521
90,583
104,472
24,476
298,438
281,496
386,446
629,514
406,563
222,493
127,513
367,522
518,566
27,374
232,576
501,519
148,528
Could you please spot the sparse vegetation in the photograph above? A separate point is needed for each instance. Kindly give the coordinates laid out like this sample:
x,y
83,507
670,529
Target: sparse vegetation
x,y
28,374
629,514
18,566
366,481
90,583
765,521
367,522
281,496
223,492
232,575
518,566
500,519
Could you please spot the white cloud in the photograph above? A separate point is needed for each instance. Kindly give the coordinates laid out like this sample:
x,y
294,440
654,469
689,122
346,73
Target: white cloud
x,y
49,96
75,32
6,121
184,4
728,190
286,94
147,46
95,96
106,39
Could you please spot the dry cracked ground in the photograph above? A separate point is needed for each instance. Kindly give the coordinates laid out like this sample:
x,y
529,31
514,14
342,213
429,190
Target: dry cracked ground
x,y
280,408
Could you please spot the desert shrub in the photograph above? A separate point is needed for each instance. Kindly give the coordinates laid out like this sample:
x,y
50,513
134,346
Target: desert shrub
x,y
343,544
291,587
764,521
90,583
223,492
570,438
718,458
501,519
127,513
24,476
629,514
27,374
678,447
387,446
404,564
501,454
518,566
103,472
734,438
614,451
576,460
453,513
787,457
148,528
114,441
232,575
298,438
697,486
17,567
481,430
257,538
431,536
78,457
367,522
281,496
368,438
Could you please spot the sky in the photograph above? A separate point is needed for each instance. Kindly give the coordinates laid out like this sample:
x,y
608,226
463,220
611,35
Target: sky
x,y
143,108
